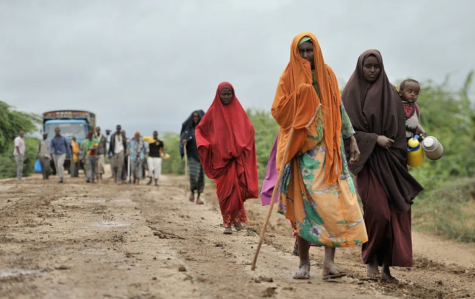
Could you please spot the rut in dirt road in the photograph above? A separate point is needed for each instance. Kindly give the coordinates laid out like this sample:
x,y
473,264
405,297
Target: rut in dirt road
x,y
102,241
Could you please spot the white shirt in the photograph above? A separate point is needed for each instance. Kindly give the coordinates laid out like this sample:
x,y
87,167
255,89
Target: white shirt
x,y
119,146
20,143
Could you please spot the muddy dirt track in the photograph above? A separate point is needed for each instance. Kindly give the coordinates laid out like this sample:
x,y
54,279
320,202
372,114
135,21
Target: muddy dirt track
x,y
79,240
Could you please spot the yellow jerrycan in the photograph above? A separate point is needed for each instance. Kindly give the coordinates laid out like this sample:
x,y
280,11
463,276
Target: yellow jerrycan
x,y
415,154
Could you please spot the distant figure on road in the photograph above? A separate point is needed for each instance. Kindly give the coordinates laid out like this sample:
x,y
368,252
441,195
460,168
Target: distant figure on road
x,y
117,148
101,152
19,153
154,161
59,148
226,146
75,160
89,157
195,169
137,149
44,156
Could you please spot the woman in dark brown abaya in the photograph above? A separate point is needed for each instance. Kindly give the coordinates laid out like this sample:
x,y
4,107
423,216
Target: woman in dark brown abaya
x,y
386,188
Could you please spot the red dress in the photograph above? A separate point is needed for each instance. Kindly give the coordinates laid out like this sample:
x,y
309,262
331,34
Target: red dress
x,y
227,150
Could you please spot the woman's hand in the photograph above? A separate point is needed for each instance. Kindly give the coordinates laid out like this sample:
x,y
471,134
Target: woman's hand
x,y
184,141
385,142
354,150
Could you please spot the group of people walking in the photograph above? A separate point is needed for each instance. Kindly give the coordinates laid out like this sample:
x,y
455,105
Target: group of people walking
x,y
92,152
323,137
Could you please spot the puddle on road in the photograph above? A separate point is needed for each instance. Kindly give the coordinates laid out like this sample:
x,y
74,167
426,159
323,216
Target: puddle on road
x,y
111,224
17,272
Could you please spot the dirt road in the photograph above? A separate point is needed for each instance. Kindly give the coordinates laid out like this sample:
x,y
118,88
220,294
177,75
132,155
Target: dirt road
x,y
79,240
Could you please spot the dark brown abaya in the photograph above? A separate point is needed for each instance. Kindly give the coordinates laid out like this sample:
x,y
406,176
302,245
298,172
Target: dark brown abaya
x,y
386,188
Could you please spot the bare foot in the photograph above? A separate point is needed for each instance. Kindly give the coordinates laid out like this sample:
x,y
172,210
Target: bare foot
x,y
199,202
373,272
387,277
191,197
304,270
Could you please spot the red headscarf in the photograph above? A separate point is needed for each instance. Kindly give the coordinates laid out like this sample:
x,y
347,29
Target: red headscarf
x,y
225,136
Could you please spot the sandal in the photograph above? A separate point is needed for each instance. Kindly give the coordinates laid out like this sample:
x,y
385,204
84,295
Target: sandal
x,y
302,275
239,227
332,275
228,231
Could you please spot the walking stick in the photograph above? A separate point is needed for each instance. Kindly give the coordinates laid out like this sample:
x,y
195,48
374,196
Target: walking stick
x,y
186,170
271,206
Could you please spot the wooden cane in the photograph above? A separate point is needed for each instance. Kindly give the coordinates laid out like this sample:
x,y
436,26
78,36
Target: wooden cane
x,y
276,187
186,170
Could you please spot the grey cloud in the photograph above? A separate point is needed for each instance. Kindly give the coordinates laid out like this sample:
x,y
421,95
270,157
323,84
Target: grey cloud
x,y
148,64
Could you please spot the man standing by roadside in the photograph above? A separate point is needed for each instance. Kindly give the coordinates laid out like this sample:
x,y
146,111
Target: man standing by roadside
x,y
89,157
19,153
101,151
117,148
44,156
59,148
154,161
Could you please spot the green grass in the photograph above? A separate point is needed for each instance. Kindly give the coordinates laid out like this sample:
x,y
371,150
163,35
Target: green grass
x,y
448,210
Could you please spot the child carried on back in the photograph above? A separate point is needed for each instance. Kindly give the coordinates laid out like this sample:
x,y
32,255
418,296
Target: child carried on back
x,y
409,92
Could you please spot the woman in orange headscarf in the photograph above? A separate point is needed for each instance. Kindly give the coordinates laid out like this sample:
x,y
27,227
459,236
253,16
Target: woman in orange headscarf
x,y
317,193
226,146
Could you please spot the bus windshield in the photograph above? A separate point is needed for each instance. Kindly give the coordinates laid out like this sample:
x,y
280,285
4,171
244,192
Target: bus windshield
x,y
67,130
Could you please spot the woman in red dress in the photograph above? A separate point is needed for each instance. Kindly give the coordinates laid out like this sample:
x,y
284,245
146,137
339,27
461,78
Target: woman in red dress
x,y
227,150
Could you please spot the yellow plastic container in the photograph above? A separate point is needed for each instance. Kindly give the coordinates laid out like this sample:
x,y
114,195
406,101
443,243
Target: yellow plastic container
x,y
415,154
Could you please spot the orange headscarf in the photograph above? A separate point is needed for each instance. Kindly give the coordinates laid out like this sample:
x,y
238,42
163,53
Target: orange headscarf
x,y
296,102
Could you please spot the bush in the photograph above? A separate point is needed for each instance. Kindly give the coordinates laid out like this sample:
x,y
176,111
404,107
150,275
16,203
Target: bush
x,y
11,123
7,160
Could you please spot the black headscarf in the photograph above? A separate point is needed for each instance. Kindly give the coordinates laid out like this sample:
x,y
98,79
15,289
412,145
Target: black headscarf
x,y
375,109
188,133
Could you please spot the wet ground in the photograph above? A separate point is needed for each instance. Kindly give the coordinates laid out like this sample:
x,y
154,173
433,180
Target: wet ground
x,y
78,240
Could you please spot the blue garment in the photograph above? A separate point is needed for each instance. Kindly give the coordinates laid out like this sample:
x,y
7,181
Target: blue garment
x,y
137,149
59,146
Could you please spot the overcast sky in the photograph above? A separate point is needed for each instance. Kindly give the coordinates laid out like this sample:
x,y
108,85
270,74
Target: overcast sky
x,y
147,64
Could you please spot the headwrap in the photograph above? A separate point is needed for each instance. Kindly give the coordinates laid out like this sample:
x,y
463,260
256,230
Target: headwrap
x,y
188,133
375,109
296,103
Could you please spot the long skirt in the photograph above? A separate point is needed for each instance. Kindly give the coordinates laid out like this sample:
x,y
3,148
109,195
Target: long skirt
x,y
197,176
231,203
326,215
388,231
